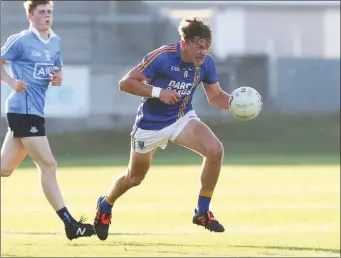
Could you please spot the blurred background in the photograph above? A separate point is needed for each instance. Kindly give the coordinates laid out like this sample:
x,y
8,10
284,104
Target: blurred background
x,y
288,50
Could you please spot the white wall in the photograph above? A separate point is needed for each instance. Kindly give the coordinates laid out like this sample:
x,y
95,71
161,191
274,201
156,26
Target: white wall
x,y
331,31
228,31
72,99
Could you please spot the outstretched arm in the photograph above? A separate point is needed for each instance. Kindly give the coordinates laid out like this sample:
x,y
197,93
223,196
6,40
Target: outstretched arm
x,y
216,97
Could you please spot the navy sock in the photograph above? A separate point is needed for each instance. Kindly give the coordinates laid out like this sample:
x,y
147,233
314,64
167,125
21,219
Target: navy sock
x,y
204,201
105,206
203,204
65,216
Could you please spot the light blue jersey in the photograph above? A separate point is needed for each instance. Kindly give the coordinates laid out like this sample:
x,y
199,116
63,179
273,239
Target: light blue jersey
x,y
31,59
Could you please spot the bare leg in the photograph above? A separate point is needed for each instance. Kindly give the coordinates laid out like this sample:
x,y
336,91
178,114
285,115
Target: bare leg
x,y
12,154
138,167
39,150
197,137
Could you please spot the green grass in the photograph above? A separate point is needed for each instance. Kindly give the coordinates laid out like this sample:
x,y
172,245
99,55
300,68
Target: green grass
x,y
276,135
185,157
271,139
267,211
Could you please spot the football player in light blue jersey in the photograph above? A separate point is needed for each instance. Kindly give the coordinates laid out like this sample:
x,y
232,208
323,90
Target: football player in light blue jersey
x,y
35,58
166,79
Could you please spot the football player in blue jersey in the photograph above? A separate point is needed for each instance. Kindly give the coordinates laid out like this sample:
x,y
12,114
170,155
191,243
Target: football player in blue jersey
x,y
35,58
166,80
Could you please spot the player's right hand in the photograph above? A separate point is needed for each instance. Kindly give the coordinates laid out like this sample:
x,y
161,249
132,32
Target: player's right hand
x,y
19,86
169,96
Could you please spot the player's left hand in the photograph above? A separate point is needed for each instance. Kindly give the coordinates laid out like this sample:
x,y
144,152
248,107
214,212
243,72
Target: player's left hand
x,y
56,77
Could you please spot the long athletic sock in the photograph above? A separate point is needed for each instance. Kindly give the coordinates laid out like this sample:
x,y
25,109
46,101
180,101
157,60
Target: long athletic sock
x,y
204,201
105,206
66,217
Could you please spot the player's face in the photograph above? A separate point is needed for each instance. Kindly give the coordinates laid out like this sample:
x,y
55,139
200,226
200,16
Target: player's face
x,y
198,49
42,17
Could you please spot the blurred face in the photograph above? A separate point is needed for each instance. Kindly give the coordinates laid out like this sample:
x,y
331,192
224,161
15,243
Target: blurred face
x,y
197,50
42,17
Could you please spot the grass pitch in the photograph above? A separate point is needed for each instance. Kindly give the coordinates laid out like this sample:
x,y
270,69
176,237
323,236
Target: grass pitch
x,y
266,210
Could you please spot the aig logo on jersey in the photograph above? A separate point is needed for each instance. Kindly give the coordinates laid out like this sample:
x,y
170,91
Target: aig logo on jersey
x,y
42,71
182,88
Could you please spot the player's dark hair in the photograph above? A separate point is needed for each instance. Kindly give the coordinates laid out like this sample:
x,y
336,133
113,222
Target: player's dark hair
x,y
31,5
192,29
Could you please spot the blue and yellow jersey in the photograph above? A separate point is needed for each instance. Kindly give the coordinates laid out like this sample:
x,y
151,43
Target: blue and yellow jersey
x,y
164,68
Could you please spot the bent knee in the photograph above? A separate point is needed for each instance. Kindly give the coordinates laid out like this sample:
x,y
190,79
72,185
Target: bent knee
x,y
215,152
6,171
135,179
50,165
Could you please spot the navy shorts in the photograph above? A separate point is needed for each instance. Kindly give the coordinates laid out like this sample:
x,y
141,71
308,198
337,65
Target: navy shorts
x,y
25,125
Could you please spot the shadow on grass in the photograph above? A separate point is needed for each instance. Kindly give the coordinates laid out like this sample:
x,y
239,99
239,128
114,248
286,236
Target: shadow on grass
x,y
135,244
286,248
290,248
13,255
62,234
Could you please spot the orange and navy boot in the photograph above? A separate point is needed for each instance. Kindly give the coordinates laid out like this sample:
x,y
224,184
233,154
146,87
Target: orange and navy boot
x,y
207,220
102,221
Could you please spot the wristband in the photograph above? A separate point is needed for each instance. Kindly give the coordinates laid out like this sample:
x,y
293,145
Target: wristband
x,y
156,92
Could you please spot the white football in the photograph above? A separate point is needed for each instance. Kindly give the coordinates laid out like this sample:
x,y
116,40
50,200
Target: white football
x,y
245,103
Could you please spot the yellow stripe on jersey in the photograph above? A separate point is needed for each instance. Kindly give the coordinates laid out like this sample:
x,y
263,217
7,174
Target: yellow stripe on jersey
x,y
153,55
183,106
186,99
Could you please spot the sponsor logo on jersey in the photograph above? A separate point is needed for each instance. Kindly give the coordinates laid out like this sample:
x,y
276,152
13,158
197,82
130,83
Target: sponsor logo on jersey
x,y
42,71
182,88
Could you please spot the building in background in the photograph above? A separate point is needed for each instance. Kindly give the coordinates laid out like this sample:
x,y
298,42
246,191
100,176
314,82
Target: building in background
x,y
288,50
